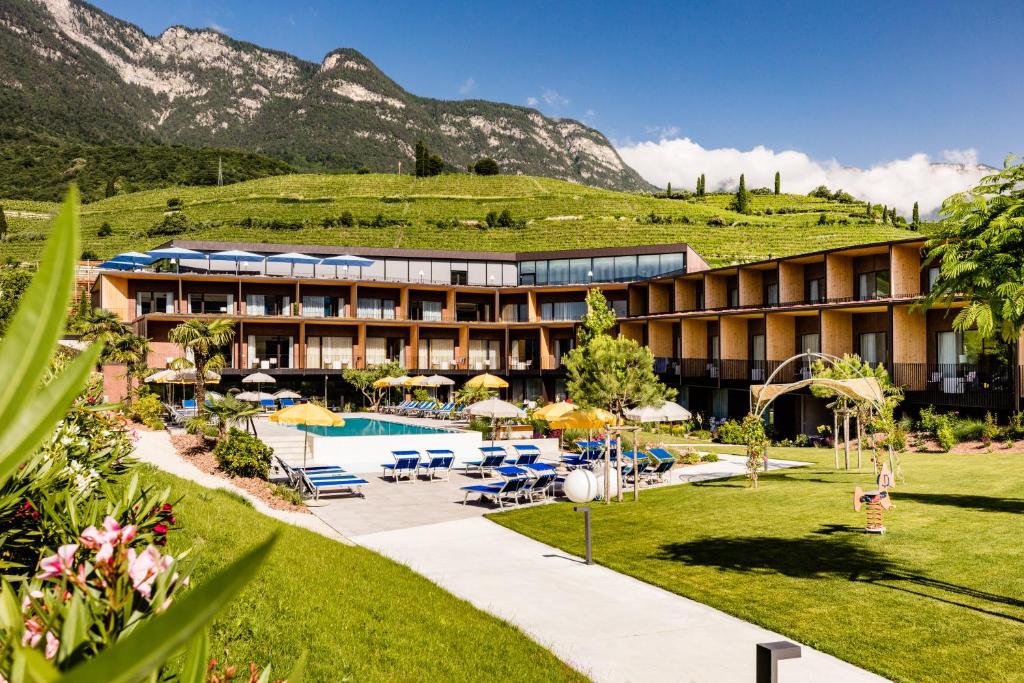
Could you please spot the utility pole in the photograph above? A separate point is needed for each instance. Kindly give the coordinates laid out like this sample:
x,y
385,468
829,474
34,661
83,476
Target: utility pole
x,y
220,172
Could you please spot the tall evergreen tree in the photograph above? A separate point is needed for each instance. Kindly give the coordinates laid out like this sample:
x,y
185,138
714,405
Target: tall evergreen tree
x,y
668,192
778,183
742,201
916,217
3,224
869,211
421,159
892,216
885,213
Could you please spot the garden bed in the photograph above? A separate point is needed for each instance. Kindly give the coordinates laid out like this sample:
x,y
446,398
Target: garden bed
x,y
194,449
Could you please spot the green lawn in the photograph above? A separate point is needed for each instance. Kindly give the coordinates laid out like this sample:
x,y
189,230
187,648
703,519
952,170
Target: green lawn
x,y
360,616
587,217
939,597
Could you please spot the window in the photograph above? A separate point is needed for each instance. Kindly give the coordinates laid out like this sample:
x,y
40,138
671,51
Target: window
x,y
459,277
604,269
269,352
438,354
154,302
377,308
328,353
810,342
699,296
874,285
933,277
562,347
321,306
757,348
484,354
671,263
580,270
376,351
558,272
648,265
874,347
563,310
206,304
734,297
625,267
429,310
771,294
714,348
526,273
267,304
514,313
620,306
816,290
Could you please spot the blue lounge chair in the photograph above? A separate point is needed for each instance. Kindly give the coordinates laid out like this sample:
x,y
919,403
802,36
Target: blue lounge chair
x,y
437,461
294,474
539,487
395,408
414,408
285,402
526,454
493,456
660,466
406,463
337,483
267,403
507,490
445,411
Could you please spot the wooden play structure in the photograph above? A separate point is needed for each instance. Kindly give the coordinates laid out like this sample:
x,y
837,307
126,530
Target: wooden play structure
x,y
876,501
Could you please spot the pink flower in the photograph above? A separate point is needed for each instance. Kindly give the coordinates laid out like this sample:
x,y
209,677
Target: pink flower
x,y
105,554
143,568
52,645
57,565
33,633
128,533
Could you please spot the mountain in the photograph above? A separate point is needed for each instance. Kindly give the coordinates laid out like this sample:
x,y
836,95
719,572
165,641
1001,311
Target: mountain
x,y
68,69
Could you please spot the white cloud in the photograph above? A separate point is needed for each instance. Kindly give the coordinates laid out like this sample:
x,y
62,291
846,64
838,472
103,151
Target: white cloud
x,y
554,99
217,27
663,132
468,86
897,183
532,101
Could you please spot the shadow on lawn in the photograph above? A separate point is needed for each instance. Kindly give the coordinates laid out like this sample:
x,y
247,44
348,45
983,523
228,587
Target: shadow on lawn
x,y
960,500
830,555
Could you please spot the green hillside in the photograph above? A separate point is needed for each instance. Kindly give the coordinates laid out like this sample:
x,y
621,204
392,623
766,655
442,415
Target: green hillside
x,y
402,211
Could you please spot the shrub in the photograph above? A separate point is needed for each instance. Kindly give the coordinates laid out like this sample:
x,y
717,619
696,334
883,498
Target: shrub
x,y
968,430
989,429
802,440
717,221
243,455
709,457
148,410
175,204
702,434
346,220
1016,427
286,493
688,457
89,255
363,170
486,166
730,432
105,230
171,224
945,435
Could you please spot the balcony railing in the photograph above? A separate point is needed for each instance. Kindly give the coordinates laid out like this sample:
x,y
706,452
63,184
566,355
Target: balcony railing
x,y
956,384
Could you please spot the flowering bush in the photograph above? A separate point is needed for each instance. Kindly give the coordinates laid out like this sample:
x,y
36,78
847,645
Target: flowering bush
x,y
243,455
148,410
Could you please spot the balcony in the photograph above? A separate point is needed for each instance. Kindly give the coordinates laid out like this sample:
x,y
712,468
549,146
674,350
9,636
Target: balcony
x,y
956,385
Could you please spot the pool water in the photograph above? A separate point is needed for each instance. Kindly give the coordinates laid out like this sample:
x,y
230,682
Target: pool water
x,y
368,426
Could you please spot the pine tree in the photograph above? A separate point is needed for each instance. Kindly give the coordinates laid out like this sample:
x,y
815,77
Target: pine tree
x,y
741,196
916,216
778,183
3,224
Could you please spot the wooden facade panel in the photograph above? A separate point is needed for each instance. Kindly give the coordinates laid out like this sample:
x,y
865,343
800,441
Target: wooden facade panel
x,y
906,270
751,284
780,337
659,338
694,335
686,295
836,332
791,282
733,338
659,298
839,276
716,294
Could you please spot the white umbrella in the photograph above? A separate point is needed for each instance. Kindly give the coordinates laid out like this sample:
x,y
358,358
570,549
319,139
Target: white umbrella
x,y
214,396
666,412
438,381
494,408
161,375
398,381
259,379
254,396
287,393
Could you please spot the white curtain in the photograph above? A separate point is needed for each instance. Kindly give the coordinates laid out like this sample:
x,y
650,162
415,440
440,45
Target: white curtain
x,y
376,351
337,352
431,310
313,353
255,304
442,352
314,306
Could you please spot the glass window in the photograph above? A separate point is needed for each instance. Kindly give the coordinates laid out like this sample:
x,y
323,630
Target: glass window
x,y
527,267
815,290
874,285
771,294
734,297
620,306
460,277
810,342
210,303
154,302
580,270
420,271
874,348
933,278
672,262
558,272
397,270
625,267
648,265
604,269
541,274
477,273
699,296
714,347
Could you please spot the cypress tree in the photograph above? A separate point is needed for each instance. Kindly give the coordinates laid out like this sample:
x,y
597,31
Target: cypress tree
x,y
3,224
741,196
703,185
668,192
868,211
885,213
778,183
916,218
421,159
893,216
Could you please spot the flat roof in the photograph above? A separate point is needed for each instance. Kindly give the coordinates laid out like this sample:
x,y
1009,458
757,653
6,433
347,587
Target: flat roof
x,y
450,254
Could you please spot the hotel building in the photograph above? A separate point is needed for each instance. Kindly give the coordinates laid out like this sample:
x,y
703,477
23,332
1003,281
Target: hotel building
x,y
713,331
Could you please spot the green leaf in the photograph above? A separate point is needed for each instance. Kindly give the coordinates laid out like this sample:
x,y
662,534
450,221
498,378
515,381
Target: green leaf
x,y
295,675
10,612
30,666
76,627
196,660
36,327
38,411
152,643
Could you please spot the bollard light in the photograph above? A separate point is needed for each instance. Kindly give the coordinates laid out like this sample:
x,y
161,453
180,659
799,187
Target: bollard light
x,y
585,509
768,657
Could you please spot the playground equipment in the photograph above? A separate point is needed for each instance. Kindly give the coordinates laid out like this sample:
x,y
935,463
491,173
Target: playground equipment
x,y
876,501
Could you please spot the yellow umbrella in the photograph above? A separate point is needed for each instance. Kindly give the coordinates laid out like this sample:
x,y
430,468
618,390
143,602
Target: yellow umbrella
x,y
487,381
307,414
583,419
416,381
382,383
554,411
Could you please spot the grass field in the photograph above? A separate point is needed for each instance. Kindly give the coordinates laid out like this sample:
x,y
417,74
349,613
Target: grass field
x,y
558,215
360,616
940,597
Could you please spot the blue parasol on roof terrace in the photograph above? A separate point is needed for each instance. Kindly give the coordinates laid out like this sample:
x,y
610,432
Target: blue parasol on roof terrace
x,y
133,257
116,265
293,258
176,254
348,261
237,256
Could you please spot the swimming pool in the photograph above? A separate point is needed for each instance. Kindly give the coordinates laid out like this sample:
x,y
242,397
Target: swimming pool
x,y
368,426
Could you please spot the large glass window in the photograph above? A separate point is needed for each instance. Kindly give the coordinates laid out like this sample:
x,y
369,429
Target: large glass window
x,y
771,294
377,308
816,290
810,342
437,354
933,277
484,354
563,310
579,270
672,262
269,352
210,303
874,285
328,353
648,265
874,347
604,269
317,306
526,273
154,302
558,272
625,267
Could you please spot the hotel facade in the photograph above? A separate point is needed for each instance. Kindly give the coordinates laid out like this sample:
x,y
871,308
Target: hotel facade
x,y
713,331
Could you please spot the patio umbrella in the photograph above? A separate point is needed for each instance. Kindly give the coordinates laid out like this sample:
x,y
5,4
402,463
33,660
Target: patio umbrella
x,y
133,257
287,393
419,381
554,410
235,255
254,396
487,381
583,419
440,381
307,414
214,396
176,254
259,379
382,383
293,258
666,412
495,409
161,376
346,261
116,265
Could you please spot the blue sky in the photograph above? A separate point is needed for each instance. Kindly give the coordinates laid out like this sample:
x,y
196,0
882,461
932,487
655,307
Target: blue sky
x,y
862,83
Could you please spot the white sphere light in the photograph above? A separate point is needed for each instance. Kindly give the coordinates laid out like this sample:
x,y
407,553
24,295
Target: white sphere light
x,y
580,486
613,486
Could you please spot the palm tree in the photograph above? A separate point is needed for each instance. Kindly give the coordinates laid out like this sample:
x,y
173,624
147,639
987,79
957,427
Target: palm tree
x,y
203,338
103,326
230,411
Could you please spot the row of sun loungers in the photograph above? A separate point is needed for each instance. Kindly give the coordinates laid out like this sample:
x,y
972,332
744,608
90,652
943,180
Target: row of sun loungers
x,y
322,479
652,465
447,411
